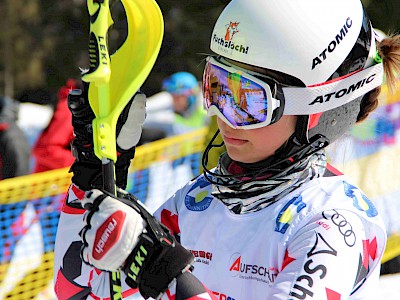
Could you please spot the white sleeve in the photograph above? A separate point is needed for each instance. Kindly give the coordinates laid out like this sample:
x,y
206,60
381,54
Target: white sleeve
x,y
329,258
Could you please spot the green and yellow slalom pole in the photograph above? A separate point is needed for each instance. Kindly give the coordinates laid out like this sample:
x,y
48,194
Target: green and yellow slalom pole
x,y
115,79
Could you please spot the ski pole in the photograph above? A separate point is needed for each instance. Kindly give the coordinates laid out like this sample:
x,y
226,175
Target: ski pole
x,y
99,75
117,78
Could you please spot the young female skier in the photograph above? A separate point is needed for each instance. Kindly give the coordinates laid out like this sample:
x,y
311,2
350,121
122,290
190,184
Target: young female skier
x,y
273,220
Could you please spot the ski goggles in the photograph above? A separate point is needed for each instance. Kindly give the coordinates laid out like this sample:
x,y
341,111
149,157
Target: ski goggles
x,y
238,97
244,99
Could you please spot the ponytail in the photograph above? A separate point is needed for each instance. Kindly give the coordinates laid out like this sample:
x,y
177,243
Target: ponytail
x,y
389,53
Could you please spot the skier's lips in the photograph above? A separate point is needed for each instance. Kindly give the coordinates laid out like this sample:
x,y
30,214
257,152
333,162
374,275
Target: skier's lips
x,y
233,141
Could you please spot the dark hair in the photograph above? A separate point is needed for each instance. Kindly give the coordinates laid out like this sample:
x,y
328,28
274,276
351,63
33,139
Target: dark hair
x,y
389,51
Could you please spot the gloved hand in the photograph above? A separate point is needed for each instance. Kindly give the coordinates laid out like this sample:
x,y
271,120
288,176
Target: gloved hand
x,y
112,229
121,234
87,167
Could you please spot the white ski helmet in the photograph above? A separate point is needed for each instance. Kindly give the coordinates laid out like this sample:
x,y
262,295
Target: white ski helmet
x,y
314,41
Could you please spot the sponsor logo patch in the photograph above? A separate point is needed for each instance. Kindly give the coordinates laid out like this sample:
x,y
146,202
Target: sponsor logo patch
x,y
243,270
108,234
360,201
198,197
202,256
333,44
286,215
313,271
226,43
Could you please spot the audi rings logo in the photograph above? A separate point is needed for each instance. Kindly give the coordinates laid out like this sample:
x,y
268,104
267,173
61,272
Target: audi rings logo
x,y
343,225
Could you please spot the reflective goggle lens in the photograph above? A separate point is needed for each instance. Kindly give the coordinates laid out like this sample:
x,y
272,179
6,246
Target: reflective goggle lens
x,y
240,99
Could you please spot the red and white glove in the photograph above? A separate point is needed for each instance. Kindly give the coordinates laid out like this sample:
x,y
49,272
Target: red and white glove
x,y
111,232
121,234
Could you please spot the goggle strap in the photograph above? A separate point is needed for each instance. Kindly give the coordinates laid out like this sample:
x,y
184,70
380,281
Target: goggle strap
x,y
332,94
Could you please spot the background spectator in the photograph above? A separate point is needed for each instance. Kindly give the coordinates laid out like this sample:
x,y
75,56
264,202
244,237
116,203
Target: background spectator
x,y
179,108
14,147
52,149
